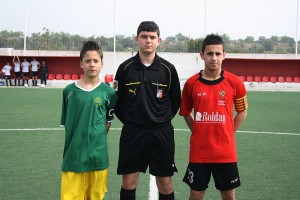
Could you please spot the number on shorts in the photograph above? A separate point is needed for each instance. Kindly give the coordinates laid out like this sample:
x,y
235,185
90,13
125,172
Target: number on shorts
x,y
190,176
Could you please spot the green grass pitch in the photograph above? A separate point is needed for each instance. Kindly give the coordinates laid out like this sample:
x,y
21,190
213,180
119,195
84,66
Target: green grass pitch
x,y
268,148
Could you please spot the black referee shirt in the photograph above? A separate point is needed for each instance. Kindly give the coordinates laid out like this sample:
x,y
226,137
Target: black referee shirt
x,y
147,96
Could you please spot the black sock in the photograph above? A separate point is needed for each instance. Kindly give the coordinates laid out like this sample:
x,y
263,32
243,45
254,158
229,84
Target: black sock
x,y
127,194
166,196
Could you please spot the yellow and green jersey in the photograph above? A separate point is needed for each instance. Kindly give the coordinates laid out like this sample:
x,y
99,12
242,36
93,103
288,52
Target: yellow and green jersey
x,y
84,116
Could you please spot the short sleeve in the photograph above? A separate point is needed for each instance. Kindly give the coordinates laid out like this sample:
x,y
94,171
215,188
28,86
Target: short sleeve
x,y
186,105
112,99
240,100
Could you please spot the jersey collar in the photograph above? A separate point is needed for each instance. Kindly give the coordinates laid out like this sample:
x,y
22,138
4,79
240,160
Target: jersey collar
x,y
209,82
140,66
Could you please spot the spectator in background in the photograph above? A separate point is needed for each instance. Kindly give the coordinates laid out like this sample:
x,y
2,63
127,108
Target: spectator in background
x,y
209,101
6,71
25,71
44,72
34,67
17,69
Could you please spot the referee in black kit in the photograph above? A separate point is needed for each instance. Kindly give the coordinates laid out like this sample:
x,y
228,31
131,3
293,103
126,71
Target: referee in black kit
x,y
149,97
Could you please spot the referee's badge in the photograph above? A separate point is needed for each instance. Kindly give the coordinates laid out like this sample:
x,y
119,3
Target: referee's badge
x,y
159,93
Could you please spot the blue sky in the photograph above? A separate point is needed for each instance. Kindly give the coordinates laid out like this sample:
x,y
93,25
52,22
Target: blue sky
x,y
236,18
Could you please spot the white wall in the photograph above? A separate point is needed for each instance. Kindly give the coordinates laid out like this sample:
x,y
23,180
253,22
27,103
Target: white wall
x,y
186,64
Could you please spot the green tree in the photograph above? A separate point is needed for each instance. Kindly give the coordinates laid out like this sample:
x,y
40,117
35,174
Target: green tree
x,y
181,38
287,40
194,46
249,39
267,44
48,40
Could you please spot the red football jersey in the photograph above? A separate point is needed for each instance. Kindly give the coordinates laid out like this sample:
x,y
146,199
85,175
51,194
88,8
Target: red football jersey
x,y
212,139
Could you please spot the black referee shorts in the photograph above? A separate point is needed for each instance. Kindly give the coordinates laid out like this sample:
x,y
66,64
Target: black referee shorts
x,y
143,147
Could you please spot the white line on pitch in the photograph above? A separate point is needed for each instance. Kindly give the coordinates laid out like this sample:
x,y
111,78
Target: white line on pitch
x,y
118,129
153,192
272,133
32,129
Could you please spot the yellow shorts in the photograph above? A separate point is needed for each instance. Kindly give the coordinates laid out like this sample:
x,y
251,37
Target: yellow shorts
x,y
84,185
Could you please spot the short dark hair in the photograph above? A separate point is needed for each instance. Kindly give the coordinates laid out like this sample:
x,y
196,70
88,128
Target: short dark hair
x,y
212,39
149,26
90,46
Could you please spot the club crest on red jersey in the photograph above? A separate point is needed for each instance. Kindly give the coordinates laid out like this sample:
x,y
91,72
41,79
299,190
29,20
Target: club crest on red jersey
x,y
222,93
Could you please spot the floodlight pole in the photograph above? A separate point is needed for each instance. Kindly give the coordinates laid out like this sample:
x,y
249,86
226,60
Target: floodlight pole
x,y
25,28
114,36
204,18
296,51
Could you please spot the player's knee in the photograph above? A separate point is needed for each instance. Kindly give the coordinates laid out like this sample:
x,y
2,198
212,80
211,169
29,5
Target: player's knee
x,y
129,185
164,184
129,182
197,195
228,195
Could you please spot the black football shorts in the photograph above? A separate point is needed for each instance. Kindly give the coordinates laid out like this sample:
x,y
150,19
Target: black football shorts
x,y
143,147
226,175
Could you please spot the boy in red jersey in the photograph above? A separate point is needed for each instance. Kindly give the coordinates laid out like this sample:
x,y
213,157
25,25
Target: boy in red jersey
x,y
213,94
